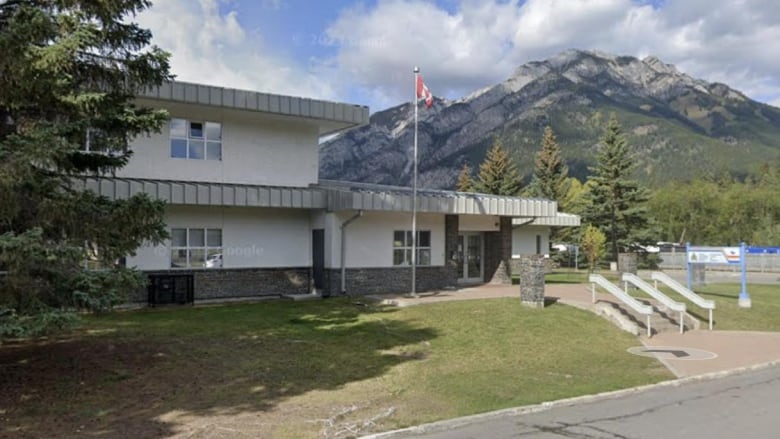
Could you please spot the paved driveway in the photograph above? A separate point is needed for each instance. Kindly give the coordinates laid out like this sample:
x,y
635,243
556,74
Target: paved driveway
x,y
738,406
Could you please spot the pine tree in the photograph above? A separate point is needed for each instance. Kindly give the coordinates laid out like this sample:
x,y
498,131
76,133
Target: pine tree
x,y
616,202
550,172
498,174
465,182
69,72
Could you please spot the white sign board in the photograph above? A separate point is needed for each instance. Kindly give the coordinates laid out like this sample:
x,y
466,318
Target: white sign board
x,y
714,255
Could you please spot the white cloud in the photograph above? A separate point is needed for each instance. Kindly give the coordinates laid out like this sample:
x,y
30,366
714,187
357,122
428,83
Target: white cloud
x,y
482,42
468,45
211,47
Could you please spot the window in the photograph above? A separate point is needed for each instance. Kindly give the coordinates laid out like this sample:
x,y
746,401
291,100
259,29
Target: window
x,y
196,248
96,141
402,247
93,262
196,140
538,244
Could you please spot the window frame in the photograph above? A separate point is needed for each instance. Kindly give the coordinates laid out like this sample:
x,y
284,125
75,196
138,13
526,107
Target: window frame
x,y
206,249
94,134
406,248
188,139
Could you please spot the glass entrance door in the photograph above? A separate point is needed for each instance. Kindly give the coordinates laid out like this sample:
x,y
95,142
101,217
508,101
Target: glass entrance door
x,y
470,257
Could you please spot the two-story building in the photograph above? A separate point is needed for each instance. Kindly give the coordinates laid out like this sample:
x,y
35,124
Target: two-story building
x,y
249,217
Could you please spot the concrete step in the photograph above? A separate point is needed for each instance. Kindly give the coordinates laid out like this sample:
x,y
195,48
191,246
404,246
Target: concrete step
x,y
302,297
662,320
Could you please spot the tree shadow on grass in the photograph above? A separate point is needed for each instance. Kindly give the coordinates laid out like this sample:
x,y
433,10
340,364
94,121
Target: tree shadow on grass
x,y
135,367
734,296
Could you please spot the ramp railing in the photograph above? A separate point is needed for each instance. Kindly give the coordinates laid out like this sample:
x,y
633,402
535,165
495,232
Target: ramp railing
x,y
701,302
597,279
630,278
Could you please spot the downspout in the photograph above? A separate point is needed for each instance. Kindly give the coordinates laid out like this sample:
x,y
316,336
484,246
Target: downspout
x,y
344,250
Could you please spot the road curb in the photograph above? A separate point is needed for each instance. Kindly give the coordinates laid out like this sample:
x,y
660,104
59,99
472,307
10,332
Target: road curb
x,y
451,424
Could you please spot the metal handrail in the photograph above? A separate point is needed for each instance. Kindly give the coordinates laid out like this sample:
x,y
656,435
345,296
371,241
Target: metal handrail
x,y
655,294
683,291
613,289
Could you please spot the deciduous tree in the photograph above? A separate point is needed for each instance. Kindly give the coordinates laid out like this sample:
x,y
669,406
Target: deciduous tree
x,y
592,245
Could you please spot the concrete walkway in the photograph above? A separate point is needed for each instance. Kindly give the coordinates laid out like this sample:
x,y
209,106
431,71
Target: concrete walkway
x,y
711,351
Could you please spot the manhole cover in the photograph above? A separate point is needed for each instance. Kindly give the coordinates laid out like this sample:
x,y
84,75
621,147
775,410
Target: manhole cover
x,y
672,353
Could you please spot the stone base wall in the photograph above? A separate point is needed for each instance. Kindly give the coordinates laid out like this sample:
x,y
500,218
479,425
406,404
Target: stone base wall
x,y
233,283
389,280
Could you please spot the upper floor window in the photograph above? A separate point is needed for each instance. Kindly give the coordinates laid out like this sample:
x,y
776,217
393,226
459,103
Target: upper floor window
x,y
196,140
98,141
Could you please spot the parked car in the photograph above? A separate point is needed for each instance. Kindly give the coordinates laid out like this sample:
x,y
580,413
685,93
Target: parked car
x,y
214,261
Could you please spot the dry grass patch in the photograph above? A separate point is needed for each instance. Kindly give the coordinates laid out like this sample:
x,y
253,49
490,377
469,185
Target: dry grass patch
x,y
335,368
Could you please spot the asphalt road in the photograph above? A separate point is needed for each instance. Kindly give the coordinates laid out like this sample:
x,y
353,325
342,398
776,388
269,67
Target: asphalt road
x,y
739,406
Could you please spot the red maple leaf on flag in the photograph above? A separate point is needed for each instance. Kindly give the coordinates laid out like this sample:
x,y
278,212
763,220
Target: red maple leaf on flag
x,y
423,92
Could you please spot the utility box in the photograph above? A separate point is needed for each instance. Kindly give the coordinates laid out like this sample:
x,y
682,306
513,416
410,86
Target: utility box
x,y
167,289
627,263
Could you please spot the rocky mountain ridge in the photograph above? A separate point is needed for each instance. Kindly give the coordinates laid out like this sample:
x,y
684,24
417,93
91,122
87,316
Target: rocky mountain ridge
x,y
678,125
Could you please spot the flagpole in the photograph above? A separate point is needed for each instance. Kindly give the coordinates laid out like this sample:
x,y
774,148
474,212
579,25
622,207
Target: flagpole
x,y
414,190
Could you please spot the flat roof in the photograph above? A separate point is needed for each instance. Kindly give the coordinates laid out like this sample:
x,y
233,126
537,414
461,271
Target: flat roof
x,y
331,117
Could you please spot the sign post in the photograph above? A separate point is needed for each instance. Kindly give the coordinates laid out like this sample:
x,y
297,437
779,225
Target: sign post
x,y
720,256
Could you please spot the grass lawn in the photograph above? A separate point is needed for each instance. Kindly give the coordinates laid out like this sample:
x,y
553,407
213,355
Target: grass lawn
x,y
307,369
764,315
565,276
571,276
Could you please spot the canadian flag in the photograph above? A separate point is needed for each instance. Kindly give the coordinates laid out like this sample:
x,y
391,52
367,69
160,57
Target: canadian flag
x,y
423,92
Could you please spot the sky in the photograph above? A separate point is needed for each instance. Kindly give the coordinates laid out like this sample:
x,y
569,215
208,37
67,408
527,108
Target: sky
x,y
364,51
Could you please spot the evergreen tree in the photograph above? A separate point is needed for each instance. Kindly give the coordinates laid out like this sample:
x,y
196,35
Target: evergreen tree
x,y
498,173
465,182
551,180
550,172
69,72
616,202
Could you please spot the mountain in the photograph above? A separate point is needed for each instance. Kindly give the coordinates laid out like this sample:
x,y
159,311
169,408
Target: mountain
x,y
680,127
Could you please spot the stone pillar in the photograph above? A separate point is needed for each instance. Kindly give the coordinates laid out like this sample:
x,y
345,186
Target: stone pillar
x,y
451,225
627,263
498,253
532,269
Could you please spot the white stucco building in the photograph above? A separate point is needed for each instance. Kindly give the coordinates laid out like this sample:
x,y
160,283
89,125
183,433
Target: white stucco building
x,y
249,217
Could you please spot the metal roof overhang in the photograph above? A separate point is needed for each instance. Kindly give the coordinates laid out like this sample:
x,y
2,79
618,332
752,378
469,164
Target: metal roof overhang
x,y
328,195
331,117
361,196
559,220
207,194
